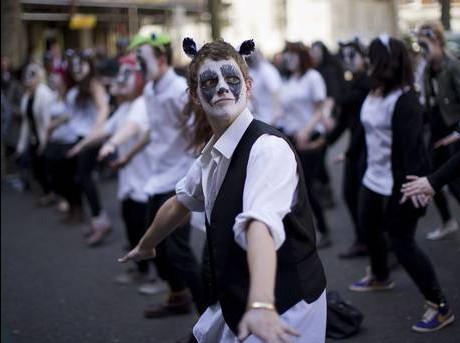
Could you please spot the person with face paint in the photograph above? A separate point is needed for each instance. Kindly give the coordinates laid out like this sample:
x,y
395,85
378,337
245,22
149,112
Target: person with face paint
x,y
133,168
61,138
88,102
265,102
393,122
266,281
35,119
441,89
302,98
357,86
170,158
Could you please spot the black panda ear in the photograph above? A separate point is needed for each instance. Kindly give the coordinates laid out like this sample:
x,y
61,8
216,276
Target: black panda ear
x,y
247,48
189,47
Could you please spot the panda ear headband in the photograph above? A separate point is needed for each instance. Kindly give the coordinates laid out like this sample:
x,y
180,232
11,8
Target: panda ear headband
x,y
191,49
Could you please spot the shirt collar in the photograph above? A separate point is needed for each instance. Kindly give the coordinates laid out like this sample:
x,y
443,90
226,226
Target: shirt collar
x,y
227,143
164,81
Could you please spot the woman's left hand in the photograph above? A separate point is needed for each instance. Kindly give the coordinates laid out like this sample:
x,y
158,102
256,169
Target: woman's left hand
x,y
416,186
266,325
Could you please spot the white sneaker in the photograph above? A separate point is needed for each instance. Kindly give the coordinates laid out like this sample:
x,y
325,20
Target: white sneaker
x,y
131,276
441,232
102,221
152,287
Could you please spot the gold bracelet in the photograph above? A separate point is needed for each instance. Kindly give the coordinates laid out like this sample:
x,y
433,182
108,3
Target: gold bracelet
x,y
261,305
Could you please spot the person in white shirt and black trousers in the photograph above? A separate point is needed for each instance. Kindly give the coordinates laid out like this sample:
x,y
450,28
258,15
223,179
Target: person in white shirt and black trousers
x,y
266,280
393,125
169,157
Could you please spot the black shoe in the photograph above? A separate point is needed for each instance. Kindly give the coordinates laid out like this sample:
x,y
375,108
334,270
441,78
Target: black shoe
x,y
355,251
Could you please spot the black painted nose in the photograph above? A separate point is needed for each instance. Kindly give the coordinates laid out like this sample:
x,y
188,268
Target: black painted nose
x,y
222,90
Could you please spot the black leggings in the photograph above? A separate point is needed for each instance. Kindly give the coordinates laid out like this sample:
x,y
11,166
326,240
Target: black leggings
x,y
377,214
86,163
62,171
353,173
440,156
133,214
39,168
310,161
175,261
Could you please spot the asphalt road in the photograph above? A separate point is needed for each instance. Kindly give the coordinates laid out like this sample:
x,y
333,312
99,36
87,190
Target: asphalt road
x,y
54,289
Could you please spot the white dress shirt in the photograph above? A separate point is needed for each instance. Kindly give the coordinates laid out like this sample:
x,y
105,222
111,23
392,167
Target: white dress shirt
x,y
168,148
298,97
376,116
266,86
134,176
269,193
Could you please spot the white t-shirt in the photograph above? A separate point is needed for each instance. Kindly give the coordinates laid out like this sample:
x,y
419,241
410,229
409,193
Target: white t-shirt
x,y
82,117
63,133
168,148
269,194
134,176
298,96
376,116
266,86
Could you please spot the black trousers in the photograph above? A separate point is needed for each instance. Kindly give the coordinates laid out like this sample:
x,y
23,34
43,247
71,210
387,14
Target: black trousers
x,y
353,173
311,161
32,159
175,261
379,214
63,172
133,214
86,164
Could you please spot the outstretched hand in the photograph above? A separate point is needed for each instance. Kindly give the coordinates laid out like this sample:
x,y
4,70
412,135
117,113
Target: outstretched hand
x,y
106,150
138,254
266,325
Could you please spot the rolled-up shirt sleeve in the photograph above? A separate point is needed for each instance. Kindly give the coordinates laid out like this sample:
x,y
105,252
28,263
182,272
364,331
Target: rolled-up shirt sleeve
x,y
269,190
189,190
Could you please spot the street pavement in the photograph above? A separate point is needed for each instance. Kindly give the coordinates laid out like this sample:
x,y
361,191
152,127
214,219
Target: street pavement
x,y
54,289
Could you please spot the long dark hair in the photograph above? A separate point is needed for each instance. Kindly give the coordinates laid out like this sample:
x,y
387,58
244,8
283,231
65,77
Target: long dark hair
x,y
85,93
390,65
305,61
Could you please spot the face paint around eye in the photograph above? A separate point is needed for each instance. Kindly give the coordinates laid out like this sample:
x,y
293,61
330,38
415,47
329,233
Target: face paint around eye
x,y
148,61
232,78
79,69
125,81
291,61
221,89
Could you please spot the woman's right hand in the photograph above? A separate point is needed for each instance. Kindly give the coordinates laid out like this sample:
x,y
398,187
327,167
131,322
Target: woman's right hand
x,y
138,254
76,149
106,150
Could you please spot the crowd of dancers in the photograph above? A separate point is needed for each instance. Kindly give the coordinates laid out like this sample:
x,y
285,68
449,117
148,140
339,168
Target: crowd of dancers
x,y
400,106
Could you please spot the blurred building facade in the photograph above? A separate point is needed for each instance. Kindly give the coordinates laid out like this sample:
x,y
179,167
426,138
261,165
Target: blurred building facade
x,y
27,23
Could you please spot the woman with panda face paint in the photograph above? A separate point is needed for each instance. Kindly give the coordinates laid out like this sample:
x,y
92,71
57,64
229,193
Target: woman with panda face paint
x,y
302,98
88,102
35,104
260,233
393,124
132,162
441,90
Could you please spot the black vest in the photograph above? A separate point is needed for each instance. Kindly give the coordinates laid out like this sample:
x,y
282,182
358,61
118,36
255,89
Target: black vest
x,y
299,272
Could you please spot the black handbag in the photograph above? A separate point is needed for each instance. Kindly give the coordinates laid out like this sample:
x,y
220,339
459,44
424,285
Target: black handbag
x,y
343,319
